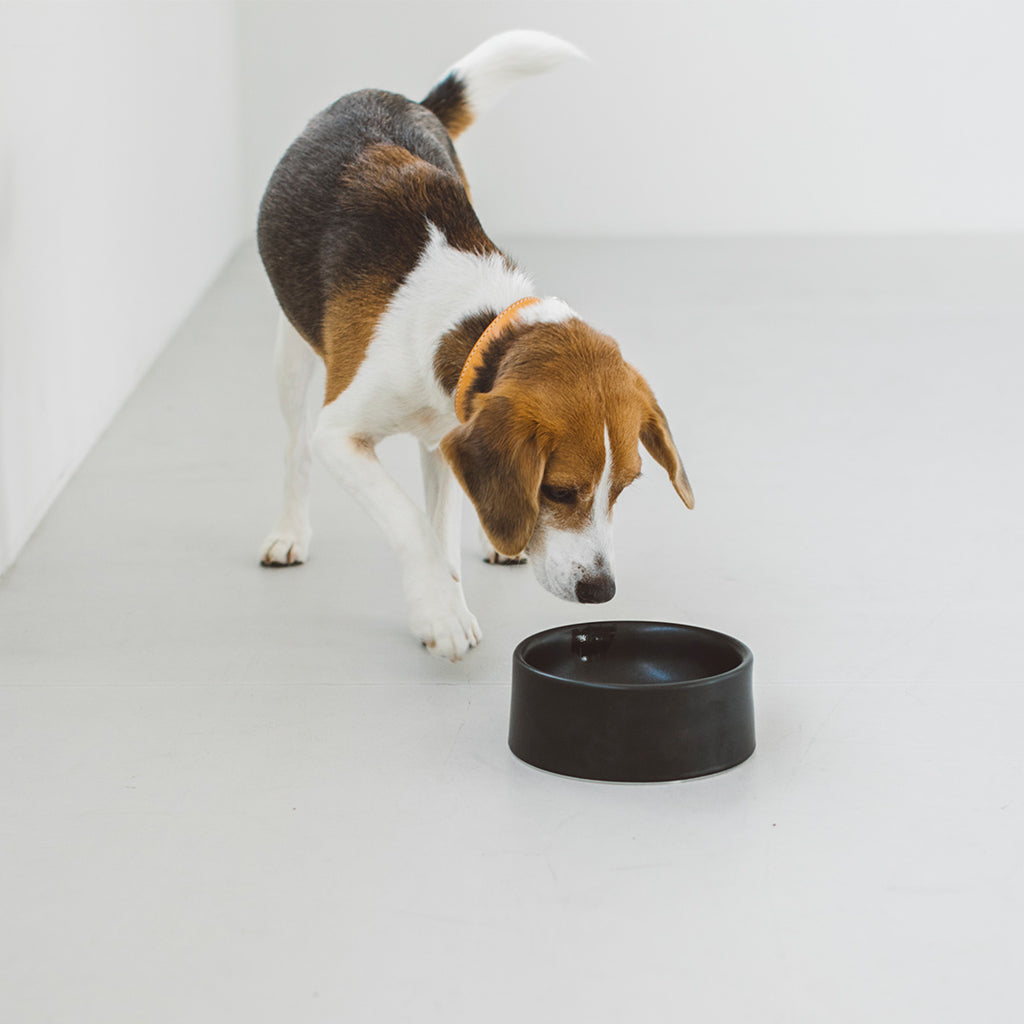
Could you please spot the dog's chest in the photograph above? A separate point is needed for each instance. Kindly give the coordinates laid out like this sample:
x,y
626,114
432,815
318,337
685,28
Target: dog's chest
x,y
429,426
411,412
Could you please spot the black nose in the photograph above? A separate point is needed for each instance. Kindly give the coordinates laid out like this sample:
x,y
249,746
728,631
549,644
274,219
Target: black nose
x,y
595,589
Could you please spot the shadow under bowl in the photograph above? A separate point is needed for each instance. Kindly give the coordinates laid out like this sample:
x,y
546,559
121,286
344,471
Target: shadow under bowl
x,y
632,701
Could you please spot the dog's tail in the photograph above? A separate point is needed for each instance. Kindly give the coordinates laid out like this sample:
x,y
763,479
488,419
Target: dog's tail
x,y
482,76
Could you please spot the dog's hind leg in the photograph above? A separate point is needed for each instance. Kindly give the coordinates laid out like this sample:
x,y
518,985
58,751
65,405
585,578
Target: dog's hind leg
x,y
493,557
300,379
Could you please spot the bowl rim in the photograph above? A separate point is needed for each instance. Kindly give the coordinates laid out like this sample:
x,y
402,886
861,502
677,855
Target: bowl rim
x,y
746,656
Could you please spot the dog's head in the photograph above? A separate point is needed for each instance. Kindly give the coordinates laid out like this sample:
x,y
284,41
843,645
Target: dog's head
x,y
549,448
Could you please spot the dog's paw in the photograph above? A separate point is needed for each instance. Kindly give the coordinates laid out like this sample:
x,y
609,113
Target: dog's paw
x,y
285,547
443,623
492,557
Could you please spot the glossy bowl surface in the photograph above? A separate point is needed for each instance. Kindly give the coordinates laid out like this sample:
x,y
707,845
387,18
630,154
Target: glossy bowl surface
x,y
632,701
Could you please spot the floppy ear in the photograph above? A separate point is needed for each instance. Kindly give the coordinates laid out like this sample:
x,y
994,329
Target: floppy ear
x,y
657,439
500,468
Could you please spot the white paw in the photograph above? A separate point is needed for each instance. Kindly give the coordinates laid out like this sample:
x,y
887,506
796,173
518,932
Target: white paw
x,y
443,623
492,557
285,547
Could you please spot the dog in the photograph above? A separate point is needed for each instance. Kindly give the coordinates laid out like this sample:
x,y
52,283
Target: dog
x,y
400,315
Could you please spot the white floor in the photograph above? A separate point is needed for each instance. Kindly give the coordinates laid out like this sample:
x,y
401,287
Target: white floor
x,y
234,794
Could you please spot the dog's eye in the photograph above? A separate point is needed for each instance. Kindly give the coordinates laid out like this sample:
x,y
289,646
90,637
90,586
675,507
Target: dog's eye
x,y
559,495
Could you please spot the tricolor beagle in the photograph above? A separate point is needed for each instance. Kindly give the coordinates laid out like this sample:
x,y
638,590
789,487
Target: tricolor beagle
x,y
402,316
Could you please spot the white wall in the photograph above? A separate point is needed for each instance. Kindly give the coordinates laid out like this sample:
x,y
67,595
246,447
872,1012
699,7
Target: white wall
x,y
119,201
137,136
698,116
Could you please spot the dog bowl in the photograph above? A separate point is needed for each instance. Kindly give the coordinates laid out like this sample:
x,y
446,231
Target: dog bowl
x,y
632,701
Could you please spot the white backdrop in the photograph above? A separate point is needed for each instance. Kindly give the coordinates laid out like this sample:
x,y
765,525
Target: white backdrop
x,y
136,137
694,116
120,184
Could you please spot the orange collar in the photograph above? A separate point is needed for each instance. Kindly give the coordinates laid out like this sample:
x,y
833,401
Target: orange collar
x,y
477,353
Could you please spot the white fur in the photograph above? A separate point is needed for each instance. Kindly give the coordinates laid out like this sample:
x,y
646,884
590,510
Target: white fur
x,y
438,615
446,286
563,558
395,391
547,311
498,63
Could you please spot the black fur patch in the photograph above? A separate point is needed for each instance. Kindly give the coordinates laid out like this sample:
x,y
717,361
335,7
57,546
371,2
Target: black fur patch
x,y
324,228
447,100
456,345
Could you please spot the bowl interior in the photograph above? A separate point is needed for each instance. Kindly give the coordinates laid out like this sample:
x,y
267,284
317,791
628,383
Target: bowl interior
x,y
632,653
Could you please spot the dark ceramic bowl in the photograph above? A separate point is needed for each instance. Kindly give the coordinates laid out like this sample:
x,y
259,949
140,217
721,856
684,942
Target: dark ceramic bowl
x,y
632,701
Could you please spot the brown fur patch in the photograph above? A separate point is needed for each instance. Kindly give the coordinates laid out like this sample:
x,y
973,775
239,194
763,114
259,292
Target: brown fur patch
x,y
400,190
462,177
348,325
499,466
656,437
392,192
559,386
573,382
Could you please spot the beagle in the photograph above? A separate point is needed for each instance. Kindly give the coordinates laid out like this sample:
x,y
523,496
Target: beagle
x,y
400,315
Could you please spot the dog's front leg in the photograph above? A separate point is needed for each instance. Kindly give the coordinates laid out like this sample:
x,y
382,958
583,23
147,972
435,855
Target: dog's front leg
x,y
444,504
438,615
